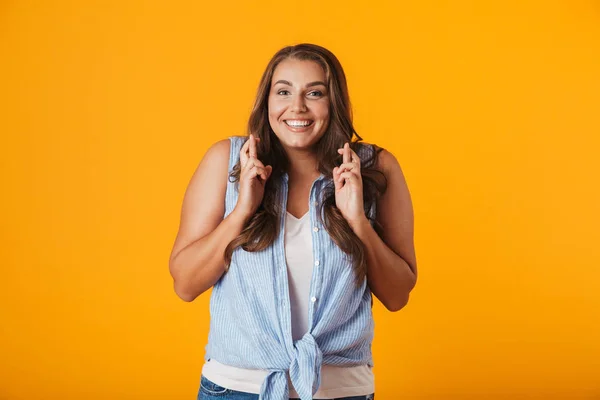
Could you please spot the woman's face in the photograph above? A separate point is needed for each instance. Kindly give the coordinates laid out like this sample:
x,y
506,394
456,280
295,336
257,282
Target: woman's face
x,y
298,103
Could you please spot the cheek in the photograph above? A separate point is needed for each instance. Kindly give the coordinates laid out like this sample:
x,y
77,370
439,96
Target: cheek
x,y
275,109
322,112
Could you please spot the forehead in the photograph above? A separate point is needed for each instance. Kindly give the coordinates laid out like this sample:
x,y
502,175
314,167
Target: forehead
x,y
298,72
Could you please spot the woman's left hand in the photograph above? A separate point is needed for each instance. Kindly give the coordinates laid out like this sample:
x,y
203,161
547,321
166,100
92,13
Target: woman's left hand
x,y
349,187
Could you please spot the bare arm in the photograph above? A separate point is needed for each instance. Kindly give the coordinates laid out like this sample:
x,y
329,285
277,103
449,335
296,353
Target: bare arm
x,y
196,261
391,260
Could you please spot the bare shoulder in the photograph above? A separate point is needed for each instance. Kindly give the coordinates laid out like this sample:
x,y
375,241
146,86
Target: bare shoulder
x,y
397,186
211,169
387,162
204,200
218,152
212,172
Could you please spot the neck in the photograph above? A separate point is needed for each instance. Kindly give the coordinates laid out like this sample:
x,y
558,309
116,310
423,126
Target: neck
x,y
303,165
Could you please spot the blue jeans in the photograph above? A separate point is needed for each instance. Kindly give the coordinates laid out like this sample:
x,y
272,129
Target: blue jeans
x,y
211,391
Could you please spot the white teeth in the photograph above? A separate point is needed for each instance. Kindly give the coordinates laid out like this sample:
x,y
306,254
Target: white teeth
x,y
298,123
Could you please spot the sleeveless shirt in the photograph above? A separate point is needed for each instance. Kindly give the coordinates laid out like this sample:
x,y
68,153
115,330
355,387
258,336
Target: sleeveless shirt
x,y
250,325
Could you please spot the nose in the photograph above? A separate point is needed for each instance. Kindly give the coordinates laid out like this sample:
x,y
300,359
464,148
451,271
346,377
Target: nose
x,y
298,104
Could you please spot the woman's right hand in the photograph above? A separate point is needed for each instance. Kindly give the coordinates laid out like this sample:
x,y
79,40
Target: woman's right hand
x,y
253,178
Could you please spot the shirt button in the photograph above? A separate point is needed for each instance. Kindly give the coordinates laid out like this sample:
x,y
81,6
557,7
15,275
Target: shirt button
x,y
316,229
317,263
313,299
316,203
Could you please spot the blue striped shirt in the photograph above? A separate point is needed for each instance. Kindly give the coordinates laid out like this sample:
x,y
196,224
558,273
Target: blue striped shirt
x,y
250,325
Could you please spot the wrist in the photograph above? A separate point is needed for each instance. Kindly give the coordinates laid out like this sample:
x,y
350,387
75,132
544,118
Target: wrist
x,y
239,216
359,225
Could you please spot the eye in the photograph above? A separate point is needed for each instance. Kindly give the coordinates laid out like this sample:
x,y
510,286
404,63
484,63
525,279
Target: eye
x,y
316,93
283,92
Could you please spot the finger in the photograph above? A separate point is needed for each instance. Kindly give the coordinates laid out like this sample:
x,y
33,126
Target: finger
x,y
254,161
252,148
347,158
348,176
244,153
336,172
269,170
247,166
351,166
251,163
354,157
336,181
245,150
265,173
258,171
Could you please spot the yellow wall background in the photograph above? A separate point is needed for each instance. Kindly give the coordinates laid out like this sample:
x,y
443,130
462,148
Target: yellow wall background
x,y
492,108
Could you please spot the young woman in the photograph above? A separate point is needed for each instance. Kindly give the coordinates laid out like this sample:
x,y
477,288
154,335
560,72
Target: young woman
x,y
294,226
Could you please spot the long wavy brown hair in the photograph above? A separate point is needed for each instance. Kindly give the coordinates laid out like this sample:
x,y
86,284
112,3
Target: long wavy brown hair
x,y
263,227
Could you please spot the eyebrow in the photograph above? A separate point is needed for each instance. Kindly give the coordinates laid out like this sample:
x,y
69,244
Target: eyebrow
x,y
315,83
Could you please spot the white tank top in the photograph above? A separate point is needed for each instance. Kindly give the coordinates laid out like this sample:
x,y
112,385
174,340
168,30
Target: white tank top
x,y
335,381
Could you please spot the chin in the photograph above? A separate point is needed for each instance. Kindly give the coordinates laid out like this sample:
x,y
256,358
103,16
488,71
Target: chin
x,y
296,141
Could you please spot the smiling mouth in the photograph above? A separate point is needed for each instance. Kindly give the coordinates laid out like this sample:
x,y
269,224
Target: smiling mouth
x,y
298,123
